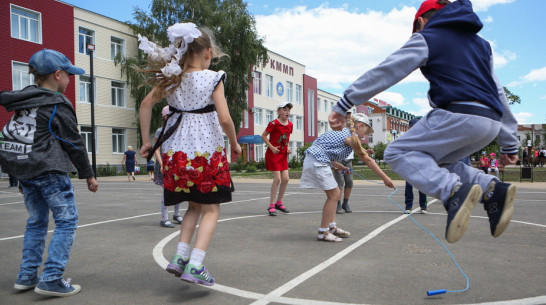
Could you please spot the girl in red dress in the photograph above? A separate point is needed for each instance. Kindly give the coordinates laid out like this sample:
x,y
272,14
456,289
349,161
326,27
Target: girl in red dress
x,y
276,155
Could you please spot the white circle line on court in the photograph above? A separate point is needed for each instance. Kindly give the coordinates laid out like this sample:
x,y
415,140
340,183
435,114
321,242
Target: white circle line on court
x,y
277,294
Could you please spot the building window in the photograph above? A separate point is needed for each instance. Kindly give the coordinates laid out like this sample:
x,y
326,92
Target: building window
x,y
258,152
299,96
268,85
116,47
257,82
269,116
20,76
370,138
85,37
258,116
311,113
85,89
25,24
118,140
299,122
87,134
291,118
289,91
118,94
292,150
537,140
244,119
331,106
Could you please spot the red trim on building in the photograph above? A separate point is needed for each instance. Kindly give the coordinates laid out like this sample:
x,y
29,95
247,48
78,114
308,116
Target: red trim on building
x,y
57,28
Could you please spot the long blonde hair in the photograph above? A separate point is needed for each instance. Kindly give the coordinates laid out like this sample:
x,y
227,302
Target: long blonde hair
x,y
356,144
166,85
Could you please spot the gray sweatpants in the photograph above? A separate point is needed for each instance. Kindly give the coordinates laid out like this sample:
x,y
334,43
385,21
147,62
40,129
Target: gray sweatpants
x,y
427,156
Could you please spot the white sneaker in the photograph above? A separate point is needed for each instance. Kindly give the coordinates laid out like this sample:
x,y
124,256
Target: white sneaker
x,y
424,211
178,219
166,224
408,212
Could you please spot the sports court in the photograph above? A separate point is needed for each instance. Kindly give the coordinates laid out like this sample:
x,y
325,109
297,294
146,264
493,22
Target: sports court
x,y
120,250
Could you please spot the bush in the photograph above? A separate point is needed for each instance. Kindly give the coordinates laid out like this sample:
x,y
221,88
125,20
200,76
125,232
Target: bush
x,y
104,170
235,166
251,169
260,164
295,163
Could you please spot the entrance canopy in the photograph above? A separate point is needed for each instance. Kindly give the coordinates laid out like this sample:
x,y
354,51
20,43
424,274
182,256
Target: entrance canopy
x,y
253,139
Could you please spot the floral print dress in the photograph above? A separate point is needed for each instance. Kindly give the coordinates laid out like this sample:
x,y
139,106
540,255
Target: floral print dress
x,y
195,165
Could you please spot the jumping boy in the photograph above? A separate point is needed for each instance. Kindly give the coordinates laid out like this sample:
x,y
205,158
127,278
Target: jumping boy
x,y
40,142
470,109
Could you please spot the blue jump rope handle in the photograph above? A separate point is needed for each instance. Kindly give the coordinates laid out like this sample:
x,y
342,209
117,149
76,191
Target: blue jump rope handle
x,y
435,292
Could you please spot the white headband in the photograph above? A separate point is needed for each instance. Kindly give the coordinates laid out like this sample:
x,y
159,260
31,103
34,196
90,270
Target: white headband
x,y
184,33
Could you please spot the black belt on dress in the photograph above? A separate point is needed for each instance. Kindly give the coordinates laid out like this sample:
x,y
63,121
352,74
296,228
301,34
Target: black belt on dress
x,y
164,135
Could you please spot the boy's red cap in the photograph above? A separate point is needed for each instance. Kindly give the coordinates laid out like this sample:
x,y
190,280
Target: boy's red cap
x,y
428,5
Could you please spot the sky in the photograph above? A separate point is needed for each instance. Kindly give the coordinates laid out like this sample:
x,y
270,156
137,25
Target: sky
x,y
337,41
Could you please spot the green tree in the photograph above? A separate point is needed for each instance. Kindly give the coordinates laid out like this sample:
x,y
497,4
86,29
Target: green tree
x,y
234,29
512,98
379,151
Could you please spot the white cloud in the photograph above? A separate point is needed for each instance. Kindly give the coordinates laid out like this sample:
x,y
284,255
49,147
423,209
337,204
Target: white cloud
x,y
543,97
488,19
337,45
502,57
423,106
522,117
536,75
393,98
483,5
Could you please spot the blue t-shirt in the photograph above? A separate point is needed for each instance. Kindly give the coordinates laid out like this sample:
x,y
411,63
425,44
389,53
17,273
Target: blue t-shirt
x,y
331,146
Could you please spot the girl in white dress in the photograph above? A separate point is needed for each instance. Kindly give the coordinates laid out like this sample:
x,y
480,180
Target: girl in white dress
x,y
195,165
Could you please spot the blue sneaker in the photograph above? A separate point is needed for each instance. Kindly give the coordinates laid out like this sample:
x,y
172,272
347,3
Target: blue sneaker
x,y
177,265
498,201
196,275
459,206
26,284
57,288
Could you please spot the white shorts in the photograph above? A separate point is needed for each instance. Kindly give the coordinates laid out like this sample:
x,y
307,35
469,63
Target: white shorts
x,y
316,175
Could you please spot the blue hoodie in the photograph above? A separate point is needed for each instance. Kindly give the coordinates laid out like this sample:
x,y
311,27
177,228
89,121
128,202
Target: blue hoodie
x,y
458,64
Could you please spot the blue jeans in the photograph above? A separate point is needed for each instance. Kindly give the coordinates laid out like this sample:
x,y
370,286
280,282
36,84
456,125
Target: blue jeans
x,y
43,193
409,198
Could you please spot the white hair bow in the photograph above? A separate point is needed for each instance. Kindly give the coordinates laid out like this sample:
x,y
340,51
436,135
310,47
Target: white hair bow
x,y
184,33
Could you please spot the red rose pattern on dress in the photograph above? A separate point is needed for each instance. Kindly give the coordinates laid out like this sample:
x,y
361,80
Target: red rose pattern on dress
x,y
181,173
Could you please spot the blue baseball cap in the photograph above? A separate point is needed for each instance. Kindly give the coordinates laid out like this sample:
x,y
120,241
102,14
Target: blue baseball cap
x,y
47,61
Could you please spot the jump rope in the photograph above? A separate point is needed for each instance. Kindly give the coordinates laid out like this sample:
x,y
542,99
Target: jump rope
x,y
429,292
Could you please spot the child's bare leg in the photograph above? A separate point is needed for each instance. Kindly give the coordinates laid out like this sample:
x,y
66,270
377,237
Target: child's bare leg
x,y
329,209
284,183
210,213
275,185
190,222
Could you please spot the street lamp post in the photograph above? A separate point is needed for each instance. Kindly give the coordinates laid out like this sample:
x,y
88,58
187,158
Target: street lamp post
x,y
91,48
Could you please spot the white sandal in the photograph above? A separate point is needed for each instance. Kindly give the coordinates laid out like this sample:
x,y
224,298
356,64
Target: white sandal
x,y
327,236
339,232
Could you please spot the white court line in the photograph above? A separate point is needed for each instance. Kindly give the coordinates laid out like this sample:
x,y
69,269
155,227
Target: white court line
x,y
277,293
9,203
131,217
